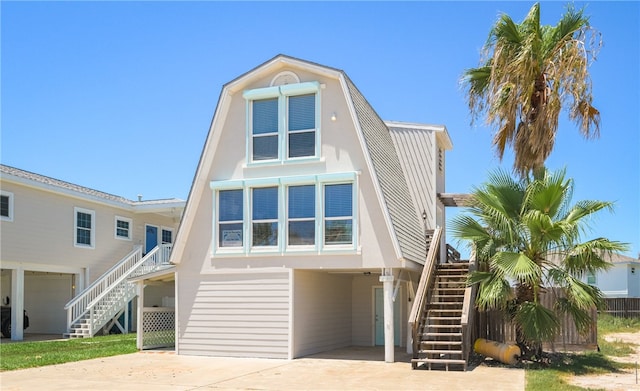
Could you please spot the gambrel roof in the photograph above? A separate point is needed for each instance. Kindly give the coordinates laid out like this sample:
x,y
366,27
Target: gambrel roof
x,y
403,223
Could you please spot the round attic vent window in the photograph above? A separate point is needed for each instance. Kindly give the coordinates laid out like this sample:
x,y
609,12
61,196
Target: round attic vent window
x,y
283,78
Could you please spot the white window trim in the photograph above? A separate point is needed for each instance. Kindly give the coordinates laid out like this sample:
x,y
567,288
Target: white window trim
x,y
115,230
77,210
173,237
10,196
282,248
282,93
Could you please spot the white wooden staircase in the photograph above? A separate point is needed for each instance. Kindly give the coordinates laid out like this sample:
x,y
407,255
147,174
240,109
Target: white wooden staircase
x,y
99,306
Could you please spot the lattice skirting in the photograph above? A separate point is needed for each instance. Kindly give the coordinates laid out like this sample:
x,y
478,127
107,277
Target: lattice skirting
x,y
158,328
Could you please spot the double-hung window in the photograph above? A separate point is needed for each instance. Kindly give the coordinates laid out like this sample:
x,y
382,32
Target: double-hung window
x,y
301,224
338,214
123,228
264,217
283,123
6,206
84,227
230,218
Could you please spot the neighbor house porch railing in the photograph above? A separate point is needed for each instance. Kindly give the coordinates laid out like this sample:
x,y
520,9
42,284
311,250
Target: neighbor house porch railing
x,y
106,296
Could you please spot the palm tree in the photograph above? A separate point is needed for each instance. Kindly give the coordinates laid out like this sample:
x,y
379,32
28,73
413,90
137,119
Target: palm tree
x,y
528,74
525,231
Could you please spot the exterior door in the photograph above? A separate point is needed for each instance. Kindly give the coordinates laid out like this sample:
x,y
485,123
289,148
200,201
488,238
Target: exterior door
x,y
379,317
151,238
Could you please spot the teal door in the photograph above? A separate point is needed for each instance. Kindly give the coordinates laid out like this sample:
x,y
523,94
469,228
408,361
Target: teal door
x,y
151,238
379,317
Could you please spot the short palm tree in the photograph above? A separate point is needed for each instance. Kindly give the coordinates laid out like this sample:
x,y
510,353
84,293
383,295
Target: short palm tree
x,y
526,233
530,72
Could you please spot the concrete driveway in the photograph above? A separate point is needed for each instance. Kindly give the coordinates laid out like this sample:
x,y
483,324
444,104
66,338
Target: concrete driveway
x,y
342,369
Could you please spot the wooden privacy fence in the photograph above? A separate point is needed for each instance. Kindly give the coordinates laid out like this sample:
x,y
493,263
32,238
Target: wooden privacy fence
x,y
624,307
492,325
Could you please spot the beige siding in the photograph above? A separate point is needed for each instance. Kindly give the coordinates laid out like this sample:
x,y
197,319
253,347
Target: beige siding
x,y
322,312
234,315
42,232
362,310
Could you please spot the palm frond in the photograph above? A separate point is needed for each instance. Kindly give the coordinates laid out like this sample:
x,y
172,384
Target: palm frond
x,y
537,323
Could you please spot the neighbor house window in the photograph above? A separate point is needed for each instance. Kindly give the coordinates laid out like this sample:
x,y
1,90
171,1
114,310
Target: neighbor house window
x,y
230,218
264,216
123,228
84,227
167,236
591,278
283,123
301,216
6,206
338,214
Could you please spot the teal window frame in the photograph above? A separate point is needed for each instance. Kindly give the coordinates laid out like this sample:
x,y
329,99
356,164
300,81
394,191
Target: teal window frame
x,y
283,184
284,134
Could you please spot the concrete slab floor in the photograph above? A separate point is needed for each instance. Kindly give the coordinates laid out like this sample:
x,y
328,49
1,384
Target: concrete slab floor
x,y
341,369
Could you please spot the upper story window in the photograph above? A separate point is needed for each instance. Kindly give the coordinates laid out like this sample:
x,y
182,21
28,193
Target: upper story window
x,y
283,123
123,228
6,206
167,236
288,214
84,227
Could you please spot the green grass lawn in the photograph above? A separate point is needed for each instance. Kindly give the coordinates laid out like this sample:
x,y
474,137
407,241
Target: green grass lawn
x,y
21,355
552,377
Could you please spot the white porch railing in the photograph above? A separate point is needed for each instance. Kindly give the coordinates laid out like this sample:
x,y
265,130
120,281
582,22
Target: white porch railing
x,y
109,294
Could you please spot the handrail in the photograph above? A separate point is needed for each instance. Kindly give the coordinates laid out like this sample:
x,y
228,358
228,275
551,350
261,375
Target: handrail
x,y
468,311
104,276
115,278
415,318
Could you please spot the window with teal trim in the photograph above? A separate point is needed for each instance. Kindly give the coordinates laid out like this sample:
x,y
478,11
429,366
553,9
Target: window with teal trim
x,y
230,218
338,214
283,123
264,218
265,129
301,215
302,125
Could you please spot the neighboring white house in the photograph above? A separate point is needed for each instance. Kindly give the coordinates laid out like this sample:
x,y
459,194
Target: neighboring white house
x,y
621,280
58,237
304,230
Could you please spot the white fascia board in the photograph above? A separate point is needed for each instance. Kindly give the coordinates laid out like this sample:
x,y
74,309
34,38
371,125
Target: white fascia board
x,y
201,182
159,207
370,168
442,134
65,192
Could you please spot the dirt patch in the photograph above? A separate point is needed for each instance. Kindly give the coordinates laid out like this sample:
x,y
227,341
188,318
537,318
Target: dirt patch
x,y
621,381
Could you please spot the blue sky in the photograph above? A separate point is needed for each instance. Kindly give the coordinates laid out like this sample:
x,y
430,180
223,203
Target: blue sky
x,y
119,96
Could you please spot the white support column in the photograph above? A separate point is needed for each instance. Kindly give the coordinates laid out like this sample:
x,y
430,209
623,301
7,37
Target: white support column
x,y
387,280
17,304
140,299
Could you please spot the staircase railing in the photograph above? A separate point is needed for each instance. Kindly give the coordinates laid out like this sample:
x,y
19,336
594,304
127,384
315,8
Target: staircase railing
x,y
424,286
468,312
106,296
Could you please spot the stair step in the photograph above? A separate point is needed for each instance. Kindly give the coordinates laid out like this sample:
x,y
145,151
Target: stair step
x,y
432,334
438,360
441,343
440,351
